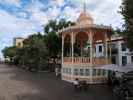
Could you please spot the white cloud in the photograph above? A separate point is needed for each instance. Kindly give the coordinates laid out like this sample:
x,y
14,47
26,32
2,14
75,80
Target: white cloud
x,y
11,2
40,17
107,13
71,13
36,13
53,12
58,2
14,26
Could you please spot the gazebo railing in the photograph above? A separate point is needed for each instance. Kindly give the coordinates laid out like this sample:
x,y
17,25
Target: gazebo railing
x,y
77,60
95,61
101,61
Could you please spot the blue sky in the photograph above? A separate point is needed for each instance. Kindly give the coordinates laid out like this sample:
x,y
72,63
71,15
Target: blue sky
x,y
20,18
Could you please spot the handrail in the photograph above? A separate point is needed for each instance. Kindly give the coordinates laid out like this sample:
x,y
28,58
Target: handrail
x,y
97,61
77,59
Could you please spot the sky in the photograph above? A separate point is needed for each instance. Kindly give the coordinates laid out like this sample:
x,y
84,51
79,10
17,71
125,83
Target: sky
x,y
20,18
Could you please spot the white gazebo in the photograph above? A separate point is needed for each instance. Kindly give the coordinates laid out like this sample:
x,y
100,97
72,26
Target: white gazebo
x,y
79,47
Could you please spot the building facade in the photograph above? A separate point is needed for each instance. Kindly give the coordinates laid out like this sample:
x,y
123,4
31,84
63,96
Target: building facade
x,y
120,54
18,42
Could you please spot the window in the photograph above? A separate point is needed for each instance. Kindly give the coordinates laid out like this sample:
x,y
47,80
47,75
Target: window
x,y
75,71
113,59
113,45
124,60
98,72
19,44
132,59
94,72
69,70
124,47
103,72
87,72
63,70
81,72
100,48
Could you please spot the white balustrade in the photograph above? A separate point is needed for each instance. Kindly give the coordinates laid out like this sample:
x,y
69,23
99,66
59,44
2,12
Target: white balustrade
x,y
85,60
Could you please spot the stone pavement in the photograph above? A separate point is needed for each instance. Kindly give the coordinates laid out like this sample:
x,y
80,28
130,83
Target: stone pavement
x,y
17,84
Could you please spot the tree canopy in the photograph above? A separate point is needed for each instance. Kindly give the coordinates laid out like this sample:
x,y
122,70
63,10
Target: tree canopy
x,y
53,26
9,51
39,49
127,12
35,50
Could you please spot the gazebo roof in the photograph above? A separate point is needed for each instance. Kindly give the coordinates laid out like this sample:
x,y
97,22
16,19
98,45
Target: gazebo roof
x,y
85,27
85,21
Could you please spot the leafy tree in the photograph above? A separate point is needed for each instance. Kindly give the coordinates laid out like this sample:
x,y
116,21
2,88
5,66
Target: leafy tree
x,y
36,52
53,44
10,53
51,27
53,41
54,26
127,12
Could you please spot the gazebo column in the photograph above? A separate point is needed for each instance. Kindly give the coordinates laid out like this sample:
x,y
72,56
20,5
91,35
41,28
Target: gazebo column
x,y
91,56
72,52
81,48
106,48
91,48
72,44
62,50
110,49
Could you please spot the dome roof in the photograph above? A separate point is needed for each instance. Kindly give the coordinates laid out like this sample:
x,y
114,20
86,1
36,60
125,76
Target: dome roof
x,y
84,19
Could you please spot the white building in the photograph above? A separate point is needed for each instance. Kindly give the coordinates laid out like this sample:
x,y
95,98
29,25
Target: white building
x,y
120,54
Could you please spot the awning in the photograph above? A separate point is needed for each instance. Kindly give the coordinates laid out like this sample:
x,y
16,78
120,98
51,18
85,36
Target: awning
x,y
116,68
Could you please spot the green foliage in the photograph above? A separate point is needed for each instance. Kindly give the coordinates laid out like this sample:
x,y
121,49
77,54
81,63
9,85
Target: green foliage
x,y
38,49
53,26
36,53
53,44
10,53
127,12
53,40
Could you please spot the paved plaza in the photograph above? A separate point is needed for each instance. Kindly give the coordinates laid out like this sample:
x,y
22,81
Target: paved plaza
x,y
17,84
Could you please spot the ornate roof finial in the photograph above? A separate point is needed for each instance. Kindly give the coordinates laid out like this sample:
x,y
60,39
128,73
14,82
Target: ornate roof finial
x,y
84,6
84,17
